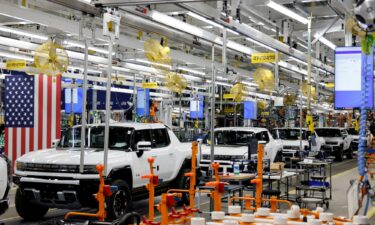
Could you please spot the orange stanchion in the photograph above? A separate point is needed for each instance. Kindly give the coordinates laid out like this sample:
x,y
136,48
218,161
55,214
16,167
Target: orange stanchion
x,y
103,192
153,181
193,173
218,187
259,180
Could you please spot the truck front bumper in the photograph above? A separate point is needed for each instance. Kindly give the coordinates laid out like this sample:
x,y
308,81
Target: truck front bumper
x,y
58,192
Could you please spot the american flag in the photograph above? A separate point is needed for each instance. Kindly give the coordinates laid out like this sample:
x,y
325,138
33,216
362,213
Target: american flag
x,y
32,113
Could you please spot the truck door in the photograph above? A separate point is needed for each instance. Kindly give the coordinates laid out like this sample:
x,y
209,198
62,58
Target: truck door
x,y
163,152
140,165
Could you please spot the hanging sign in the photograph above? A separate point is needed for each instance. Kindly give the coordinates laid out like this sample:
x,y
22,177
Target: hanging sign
x,y
150,85
15,64
228,96
229,110
266,57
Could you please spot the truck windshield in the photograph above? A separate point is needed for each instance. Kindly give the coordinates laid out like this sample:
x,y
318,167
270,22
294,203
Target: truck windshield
x,y
328,132
240,138
119,137
291,134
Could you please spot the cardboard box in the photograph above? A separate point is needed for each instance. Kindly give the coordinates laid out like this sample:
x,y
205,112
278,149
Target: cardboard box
x,y
277,167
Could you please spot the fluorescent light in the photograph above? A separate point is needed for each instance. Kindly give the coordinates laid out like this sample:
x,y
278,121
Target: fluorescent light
x,y
201,18
297,60
287,12
258,43
153,63
233,32
192,71
24,33
325,41
81,45
16,56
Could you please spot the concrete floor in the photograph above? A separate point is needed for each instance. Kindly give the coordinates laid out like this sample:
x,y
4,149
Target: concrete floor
x,y
342,173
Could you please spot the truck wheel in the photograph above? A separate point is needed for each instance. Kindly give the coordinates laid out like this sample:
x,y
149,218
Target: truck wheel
x,y
340,155
183,182
120,202
349,155
28,210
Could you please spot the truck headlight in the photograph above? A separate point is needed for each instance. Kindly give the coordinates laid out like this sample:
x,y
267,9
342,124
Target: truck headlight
x,y
20,166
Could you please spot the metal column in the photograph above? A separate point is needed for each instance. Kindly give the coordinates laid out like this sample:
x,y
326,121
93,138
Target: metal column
x,y
108,104
309,67
84,114
212,125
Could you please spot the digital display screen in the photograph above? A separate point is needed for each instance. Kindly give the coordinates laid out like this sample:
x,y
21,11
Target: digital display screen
x,y
250,110
349,63
76,97
196,107
143,102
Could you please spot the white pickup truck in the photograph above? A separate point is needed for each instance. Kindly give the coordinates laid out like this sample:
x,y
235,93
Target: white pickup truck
x,y
5,181
290,139
338,142
231,144
51,179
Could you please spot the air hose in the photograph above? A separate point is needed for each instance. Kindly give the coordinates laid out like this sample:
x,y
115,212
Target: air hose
x,y
366,79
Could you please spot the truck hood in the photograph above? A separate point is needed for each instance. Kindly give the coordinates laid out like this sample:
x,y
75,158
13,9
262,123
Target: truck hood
x,y
294,142
225,150
333,139
68,157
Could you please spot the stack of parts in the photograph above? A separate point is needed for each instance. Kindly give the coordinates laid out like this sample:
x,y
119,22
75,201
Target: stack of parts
x,y
263,216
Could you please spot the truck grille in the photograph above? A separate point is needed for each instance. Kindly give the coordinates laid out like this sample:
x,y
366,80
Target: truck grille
x,y
331,143
291,147
223,157
54,168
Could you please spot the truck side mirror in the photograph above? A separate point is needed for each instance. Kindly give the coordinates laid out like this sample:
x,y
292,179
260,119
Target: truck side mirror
x,y
55,143
143,146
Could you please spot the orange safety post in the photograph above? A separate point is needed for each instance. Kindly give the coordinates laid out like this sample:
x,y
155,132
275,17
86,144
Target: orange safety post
x,y
193,173
103,192
273,203
167,201
259,180
153,181
218,187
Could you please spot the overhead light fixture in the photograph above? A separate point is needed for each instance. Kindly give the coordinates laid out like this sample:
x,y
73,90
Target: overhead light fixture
x,y
325,41
192,71
81,45
260,44
153,63
201,18
233,32
24,33
287,12
16,56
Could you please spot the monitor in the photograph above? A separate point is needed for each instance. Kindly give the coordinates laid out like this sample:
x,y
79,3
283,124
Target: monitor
x,y
196,107
143,102
349,63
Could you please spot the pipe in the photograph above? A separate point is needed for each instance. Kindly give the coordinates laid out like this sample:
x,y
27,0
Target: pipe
x,y
108,105
212,125
84,116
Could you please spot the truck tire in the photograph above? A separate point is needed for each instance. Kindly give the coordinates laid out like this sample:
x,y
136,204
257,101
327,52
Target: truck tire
x,y
183,182
28,210
120,202
349,155
340,155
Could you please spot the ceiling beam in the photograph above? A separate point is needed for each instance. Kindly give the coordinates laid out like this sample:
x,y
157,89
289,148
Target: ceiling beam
x,y
208,11
112,3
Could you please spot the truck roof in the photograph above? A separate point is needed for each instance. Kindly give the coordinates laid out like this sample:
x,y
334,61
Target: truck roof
x,y
290,128
251,129
331,128
136,126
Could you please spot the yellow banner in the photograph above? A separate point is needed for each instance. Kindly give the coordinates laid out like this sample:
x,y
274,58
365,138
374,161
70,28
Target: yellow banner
x,y
151,85
264,57
228,96
229,110
15,64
